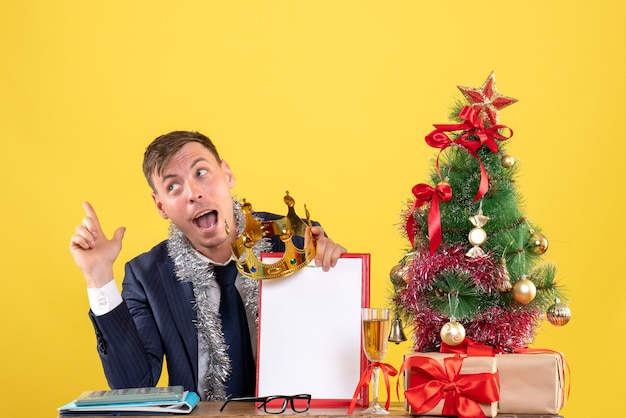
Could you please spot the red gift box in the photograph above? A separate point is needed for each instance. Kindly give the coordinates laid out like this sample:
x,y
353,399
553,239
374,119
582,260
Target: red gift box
x,y
531,383
450,384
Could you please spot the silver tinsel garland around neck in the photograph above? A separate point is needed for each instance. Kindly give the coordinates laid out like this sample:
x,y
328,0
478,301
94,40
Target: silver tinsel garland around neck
x,y
190,267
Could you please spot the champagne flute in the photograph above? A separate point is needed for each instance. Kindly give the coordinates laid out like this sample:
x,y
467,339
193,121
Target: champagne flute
x,y
375,331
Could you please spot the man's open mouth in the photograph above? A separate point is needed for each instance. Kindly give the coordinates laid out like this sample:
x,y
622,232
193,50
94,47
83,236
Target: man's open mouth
x,y
206,220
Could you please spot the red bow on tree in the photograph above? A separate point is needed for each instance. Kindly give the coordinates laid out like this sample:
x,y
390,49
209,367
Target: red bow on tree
x,y
425,193
472,126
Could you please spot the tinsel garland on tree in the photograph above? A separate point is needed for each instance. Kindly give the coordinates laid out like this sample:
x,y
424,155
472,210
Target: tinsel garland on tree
x,y
474,260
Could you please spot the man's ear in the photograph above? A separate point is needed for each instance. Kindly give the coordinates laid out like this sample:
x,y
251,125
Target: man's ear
x,y
159,206
228,173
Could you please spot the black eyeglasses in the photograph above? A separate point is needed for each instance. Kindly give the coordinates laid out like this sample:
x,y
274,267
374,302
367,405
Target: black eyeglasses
x,y
277,404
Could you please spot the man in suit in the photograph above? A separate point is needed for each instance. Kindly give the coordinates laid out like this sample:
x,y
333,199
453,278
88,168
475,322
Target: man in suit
x,y
175,300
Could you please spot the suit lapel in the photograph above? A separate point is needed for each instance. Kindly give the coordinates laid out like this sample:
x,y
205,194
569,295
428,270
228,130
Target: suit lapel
x,y
180,297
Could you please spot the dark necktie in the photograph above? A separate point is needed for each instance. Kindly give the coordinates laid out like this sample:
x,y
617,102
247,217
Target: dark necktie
x,y
242,381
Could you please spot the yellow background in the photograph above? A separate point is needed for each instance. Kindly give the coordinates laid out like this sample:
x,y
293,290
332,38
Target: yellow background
x,y
330,100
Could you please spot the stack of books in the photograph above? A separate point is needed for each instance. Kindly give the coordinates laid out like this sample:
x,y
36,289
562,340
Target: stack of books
x,y
168,399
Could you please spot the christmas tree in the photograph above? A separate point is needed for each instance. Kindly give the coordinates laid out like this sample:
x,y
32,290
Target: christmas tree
x,y
475,267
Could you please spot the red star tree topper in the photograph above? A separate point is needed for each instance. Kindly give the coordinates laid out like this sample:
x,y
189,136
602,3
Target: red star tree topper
x,y
486,100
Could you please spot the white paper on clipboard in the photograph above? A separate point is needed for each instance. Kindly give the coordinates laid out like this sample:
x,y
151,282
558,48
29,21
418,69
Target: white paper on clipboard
x,y
310,331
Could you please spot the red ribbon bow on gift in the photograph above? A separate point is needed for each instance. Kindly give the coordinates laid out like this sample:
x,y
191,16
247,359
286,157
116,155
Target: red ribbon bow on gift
x,y
472,125
366,377
425,193
461,392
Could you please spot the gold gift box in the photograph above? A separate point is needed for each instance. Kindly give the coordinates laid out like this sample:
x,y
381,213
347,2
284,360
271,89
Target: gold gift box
x,y
531,383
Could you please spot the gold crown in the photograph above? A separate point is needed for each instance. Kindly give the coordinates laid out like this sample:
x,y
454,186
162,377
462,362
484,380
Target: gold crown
x,y
293,258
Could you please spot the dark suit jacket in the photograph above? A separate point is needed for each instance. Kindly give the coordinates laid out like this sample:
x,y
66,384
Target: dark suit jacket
x,y
156,319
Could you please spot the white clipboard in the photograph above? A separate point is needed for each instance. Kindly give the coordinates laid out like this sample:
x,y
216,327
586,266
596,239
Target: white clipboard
x,y
310,332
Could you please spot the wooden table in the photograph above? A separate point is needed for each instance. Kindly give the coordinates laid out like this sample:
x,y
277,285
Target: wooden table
x,y
245,410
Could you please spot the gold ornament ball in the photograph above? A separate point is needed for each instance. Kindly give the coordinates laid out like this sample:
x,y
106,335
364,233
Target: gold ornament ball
x,y
399,274
559,314
524,291
452,333
538,243
507,161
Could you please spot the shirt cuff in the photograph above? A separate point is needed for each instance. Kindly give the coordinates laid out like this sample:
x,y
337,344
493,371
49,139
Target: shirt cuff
x,y
104,299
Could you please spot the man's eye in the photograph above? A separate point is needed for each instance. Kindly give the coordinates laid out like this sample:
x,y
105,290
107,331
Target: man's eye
x,y
201,172
172,187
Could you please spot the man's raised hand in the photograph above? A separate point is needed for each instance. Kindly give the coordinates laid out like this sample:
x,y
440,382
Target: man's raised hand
x,y
93,252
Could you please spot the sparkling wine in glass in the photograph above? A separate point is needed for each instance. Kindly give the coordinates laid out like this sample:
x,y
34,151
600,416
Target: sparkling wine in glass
x,y
375,333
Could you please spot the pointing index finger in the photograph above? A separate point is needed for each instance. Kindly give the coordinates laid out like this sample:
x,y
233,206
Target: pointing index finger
x,y
91,213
